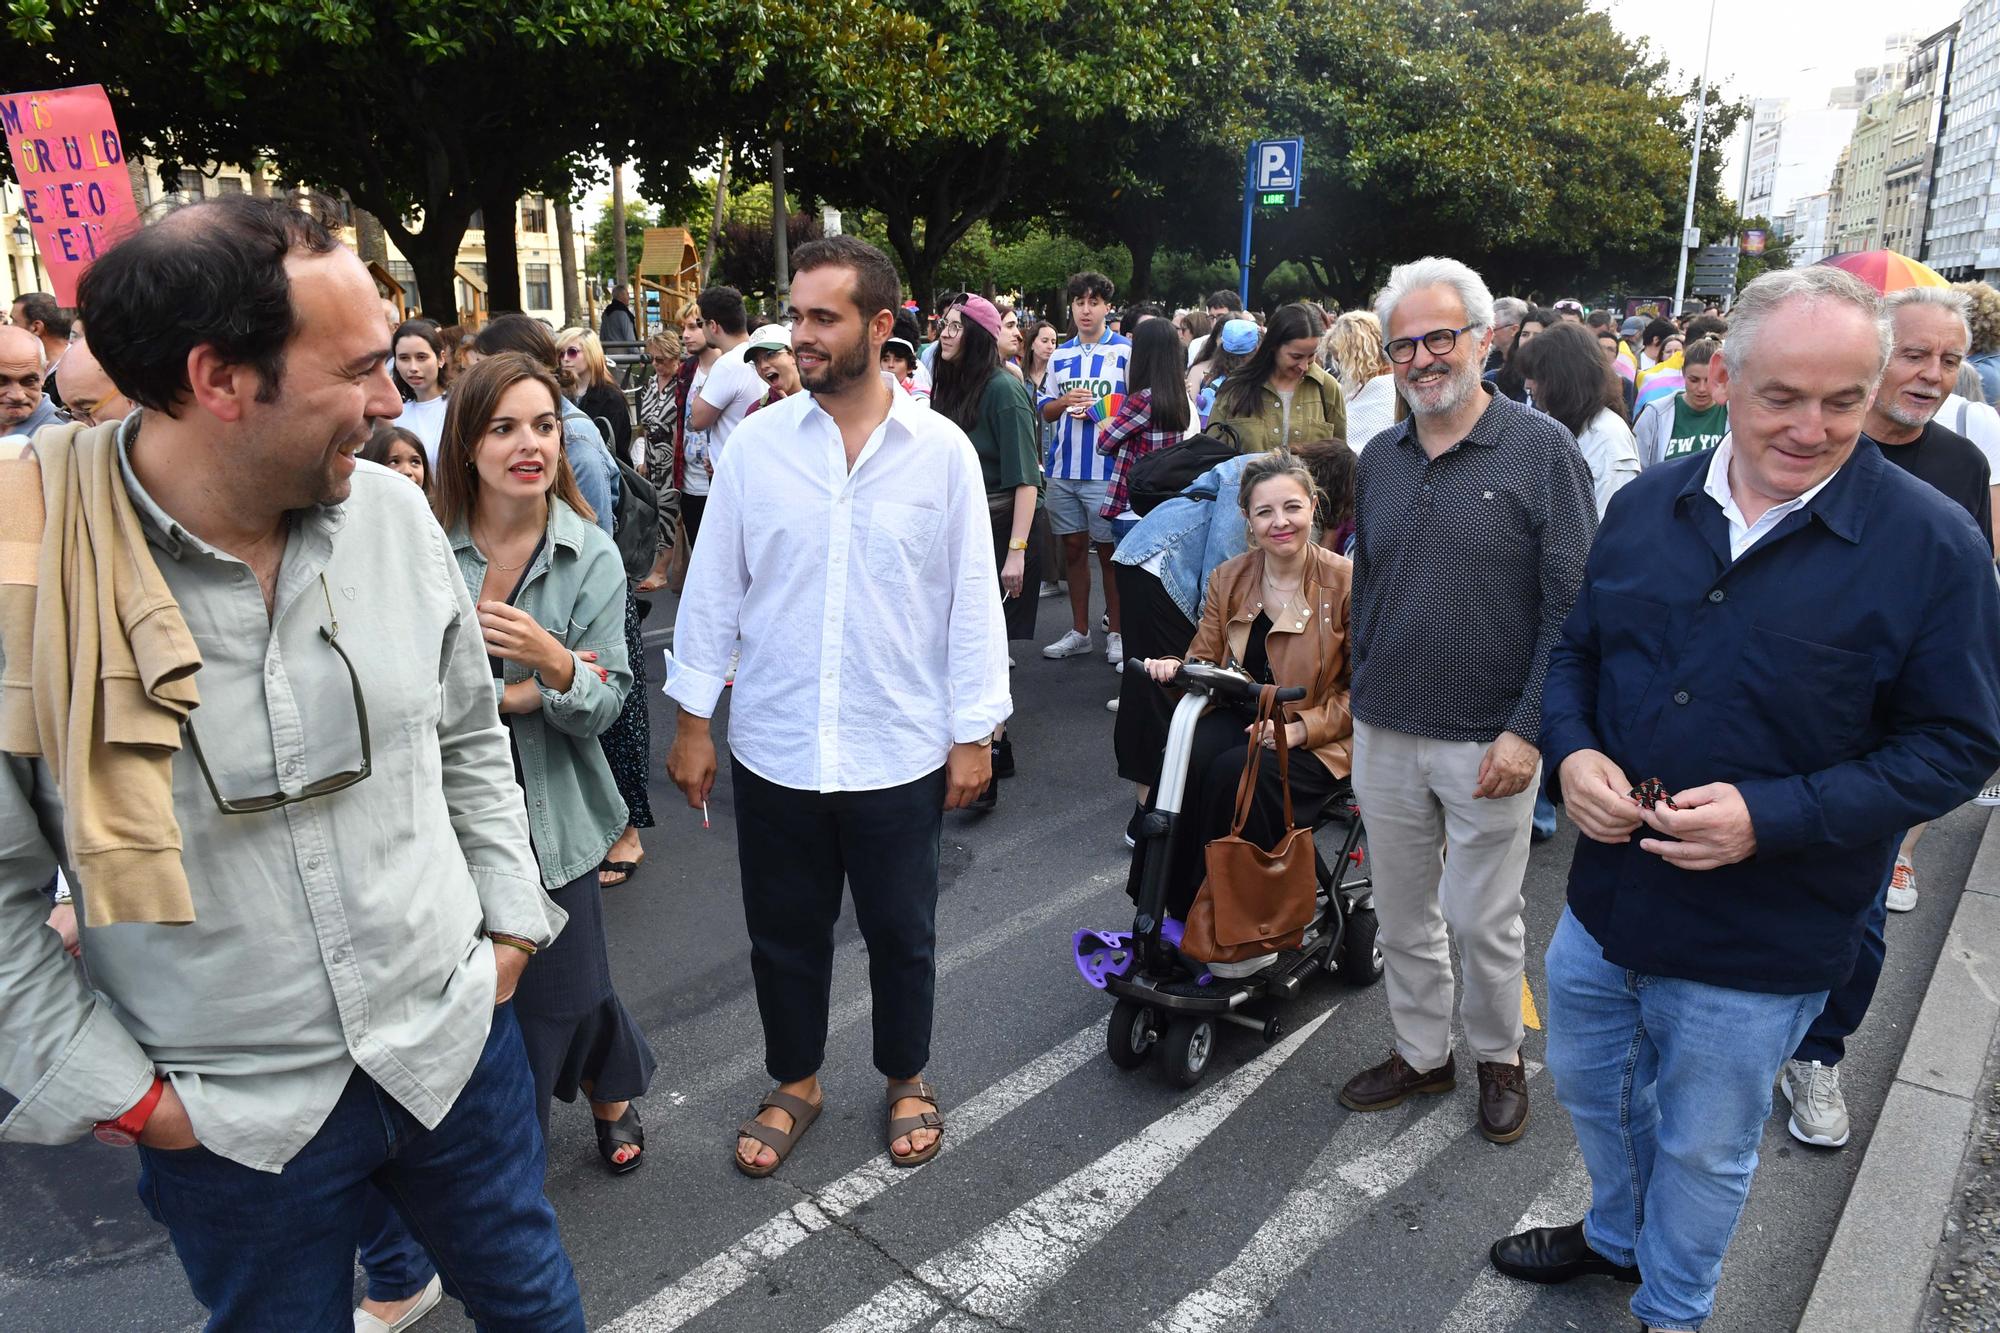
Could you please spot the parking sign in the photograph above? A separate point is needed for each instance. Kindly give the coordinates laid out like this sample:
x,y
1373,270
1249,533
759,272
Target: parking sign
x,y
1278,163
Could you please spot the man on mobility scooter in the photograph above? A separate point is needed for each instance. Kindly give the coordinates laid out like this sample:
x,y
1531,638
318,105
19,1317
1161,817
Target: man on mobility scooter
x,y
1278,615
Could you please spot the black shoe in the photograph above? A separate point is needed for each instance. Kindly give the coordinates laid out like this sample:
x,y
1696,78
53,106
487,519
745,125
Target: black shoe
x,y
988,799
1556,1254
1132,825
1003,757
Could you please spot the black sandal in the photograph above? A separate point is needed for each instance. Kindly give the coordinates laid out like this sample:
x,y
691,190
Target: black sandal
x,y
624,1132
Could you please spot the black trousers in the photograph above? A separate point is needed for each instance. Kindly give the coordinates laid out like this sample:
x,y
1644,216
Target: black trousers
x,y
691,511
796,849
1154,627
1209,803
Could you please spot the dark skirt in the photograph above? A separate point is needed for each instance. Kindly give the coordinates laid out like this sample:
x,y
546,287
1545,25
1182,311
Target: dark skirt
x,y
1154,627
572,1022
627,742
1020,611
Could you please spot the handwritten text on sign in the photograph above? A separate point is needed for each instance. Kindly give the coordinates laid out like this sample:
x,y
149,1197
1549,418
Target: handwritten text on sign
x,y
71,166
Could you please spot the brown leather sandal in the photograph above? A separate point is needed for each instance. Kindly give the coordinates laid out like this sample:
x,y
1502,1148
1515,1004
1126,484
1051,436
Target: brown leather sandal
x,y
779,1141
903,1126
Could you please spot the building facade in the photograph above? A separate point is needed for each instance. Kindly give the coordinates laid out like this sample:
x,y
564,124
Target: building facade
x,y
1913,143
1859,223
1962,236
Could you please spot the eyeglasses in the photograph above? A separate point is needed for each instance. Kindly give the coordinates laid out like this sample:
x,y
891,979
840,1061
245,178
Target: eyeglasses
x,y
1438,342
323,787
569,352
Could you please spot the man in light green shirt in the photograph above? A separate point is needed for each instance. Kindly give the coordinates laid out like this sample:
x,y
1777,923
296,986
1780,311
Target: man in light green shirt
x,y
327,1024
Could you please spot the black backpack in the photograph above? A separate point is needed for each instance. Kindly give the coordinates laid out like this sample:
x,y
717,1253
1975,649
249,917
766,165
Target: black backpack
x,y
636,524
1159,477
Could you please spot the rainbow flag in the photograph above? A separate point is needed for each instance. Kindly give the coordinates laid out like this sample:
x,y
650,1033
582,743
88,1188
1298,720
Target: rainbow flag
x,y
1105,408
1662,381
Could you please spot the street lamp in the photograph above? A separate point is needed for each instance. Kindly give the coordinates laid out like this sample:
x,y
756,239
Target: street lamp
x,y
23,238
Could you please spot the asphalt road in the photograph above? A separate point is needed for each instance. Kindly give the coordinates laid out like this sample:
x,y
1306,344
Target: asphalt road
x,y
1074,1198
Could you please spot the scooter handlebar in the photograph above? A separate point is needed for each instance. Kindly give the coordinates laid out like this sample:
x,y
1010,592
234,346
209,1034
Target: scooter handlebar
x,y
1227,683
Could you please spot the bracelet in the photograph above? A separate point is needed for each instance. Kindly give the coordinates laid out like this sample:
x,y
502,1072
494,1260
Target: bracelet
x,y
516,942
1020,545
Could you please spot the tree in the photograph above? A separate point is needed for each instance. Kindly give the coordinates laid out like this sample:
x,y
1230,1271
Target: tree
x,y
1777,250
420,111
603,261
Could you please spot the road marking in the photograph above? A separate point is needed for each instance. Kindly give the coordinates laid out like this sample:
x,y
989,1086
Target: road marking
x,y
1496,1302
999,1273
1337,1189
764,1246
723,1073
1530,1016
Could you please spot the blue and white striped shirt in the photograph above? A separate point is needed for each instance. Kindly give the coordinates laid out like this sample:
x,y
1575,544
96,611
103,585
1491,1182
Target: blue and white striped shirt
x,y
1100,368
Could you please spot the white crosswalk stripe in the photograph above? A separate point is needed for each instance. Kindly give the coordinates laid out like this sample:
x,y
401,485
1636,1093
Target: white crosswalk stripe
x,y
999,1273
758,1250
1496,1302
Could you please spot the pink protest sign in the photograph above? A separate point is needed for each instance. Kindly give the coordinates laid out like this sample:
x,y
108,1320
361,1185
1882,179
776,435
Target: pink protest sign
x,y
71,166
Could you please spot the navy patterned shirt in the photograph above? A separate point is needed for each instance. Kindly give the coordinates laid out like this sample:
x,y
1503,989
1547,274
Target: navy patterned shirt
x,y
1464,568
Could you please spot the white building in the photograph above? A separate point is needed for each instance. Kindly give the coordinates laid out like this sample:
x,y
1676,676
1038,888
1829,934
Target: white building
x,y
1810,228
1791,153
1962,238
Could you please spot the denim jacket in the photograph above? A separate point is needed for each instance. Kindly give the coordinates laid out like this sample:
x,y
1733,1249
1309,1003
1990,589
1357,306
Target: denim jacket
x,y
590,460
576,589
1198,530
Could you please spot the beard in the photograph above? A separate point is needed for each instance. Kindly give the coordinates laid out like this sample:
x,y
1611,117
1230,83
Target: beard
x,y
1445,396
1903,416
842,368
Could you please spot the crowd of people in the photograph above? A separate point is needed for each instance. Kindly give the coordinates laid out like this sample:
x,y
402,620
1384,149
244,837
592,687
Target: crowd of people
x,y
1653,571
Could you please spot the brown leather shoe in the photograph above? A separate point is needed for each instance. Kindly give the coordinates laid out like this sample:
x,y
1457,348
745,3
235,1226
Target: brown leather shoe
x,y
1503,1101
1388,1083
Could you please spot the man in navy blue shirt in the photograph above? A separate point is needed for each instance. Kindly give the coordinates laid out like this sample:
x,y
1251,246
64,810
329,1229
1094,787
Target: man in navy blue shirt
x,y
1747,708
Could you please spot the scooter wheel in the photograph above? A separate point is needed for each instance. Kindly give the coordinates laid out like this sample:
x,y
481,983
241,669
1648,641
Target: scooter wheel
x,y
1131,1036
1360,957
1189,1043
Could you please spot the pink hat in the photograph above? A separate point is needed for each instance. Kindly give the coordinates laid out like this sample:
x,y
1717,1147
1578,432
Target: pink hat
x,y
981,312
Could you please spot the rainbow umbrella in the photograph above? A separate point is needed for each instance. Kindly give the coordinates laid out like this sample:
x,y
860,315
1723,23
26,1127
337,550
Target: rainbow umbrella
x,y
1885,270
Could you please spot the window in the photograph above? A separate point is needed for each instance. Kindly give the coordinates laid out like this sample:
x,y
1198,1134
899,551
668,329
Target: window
x,y
476,270
229,184
401,271
537,295
535,214
190,186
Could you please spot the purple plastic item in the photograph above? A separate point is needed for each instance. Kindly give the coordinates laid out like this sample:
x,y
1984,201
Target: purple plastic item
x,y
1101,954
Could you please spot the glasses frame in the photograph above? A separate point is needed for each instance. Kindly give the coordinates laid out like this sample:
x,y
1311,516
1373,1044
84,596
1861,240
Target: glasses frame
x,y
1453,335
326,786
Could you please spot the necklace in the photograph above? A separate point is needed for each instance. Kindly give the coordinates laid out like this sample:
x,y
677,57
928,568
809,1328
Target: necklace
x,y
504,569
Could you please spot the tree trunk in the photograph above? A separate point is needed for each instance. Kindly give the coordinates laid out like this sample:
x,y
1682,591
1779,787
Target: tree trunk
x,y
370,241
1143,246
433,264
566,239
721,205
503,250
780,224
621,259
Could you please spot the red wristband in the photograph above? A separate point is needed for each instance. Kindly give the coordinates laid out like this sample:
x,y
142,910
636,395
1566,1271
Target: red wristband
x,y
126,1129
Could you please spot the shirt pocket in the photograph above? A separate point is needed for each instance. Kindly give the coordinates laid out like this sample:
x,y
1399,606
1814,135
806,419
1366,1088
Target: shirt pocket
x,y
1631,645
1794,707
900,538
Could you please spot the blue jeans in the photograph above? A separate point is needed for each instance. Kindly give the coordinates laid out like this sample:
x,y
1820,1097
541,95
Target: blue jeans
x,y
396,1265
268,1250
1668,1083
1847,1004
1545,814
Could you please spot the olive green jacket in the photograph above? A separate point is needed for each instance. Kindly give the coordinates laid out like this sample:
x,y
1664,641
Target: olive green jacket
x,y
1318,411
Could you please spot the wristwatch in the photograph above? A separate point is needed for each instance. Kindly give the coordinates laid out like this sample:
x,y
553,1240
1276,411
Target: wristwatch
x,y
126,1129
1020,545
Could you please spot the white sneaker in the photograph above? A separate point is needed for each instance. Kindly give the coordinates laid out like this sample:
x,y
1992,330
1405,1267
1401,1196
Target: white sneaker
x,y
1114,649
1052,590
1819,1114
1110,705
1988,796
427,1301
1071,644
1902,887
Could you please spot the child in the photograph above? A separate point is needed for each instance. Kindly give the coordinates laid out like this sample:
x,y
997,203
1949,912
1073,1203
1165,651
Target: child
x,y
899,359
398,450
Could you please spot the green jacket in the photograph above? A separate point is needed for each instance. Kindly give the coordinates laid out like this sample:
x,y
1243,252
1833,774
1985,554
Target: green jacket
x,y
576,588
1318,411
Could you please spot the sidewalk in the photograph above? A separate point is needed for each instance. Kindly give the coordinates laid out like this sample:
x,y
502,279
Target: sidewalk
x,y
1923,1207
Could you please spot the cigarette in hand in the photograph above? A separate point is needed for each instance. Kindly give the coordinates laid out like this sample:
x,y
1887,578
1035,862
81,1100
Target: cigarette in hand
x,y
704,814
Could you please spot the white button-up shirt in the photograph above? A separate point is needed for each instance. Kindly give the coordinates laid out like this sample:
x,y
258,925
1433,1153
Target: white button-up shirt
x,y
866,600
1744,535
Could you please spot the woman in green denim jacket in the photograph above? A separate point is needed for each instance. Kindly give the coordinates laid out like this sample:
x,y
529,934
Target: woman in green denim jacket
x,y
550,591
1281,399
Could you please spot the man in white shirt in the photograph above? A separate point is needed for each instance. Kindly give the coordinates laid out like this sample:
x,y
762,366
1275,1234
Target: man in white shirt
x,y
848,548
733,385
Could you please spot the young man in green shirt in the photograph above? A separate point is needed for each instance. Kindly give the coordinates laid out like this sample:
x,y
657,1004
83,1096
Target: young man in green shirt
x,y
1694,420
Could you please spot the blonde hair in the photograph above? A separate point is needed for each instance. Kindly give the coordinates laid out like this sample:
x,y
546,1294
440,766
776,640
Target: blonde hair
x,y
1355,344
594,370
667,342
1983,314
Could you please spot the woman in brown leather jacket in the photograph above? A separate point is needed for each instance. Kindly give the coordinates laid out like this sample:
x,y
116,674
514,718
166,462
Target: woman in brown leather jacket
x,y
1279,612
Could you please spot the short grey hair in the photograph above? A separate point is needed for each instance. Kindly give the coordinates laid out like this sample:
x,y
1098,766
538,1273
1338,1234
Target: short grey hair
x,y
1943,298
1814,284
1509,310
1433,271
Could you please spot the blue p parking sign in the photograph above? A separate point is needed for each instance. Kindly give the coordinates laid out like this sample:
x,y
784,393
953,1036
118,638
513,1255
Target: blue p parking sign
x,y
1278,163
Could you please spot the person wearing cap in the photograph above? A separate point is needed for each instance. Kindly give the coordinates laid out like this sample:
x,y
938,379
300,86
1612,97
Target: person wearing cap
x,y
770,354
899,363
1232,347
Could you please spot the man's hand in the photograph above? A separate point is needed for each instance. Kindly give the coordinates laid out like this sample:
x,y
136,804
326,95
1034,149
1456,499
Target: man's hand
x,y
967,769
168,1128
691,761
1712,828
1598,796
508,964
62,920
1508,767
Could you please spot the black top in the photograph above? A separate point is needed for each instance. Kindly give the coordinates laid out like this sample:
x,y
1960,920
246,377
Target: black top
x,y
1953,464
604,403
499,665
1464,568
1256,663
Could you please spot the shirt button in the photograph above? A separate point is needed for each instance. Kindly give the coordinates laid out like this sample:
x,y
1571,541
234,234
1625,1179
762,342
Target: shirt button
x,y
1717,595
1681,696
312,863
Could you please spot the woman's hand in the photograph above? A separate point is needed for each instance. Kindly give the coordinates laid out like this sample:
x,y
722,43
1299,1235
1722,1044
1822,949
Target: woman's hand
x,y
1162,669
515,636
1267,735
1012,572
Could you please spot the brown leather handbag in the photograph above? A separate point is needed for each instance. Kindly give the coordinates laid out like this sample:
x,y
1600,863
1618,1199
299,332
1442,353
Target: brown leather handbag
x,y
1254,902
